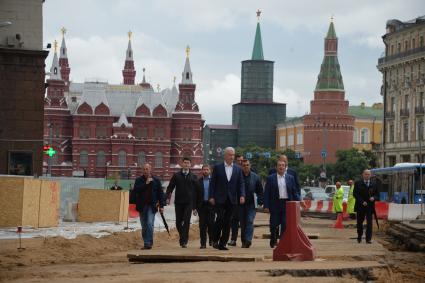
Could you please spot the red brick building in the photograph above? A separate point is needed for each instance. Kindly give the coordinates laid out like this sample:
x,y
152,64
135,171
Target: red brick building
x,y
111,130
328,127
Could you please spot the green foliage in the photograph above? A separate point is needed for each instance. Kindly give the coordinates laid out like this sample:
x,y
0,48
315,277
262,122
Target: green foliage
x,y
350,164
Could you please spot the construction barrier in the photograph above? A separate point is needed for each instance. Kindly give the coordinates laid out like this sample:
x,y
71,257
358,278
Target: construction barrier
x,y
321,206
403,212
294,243
381,208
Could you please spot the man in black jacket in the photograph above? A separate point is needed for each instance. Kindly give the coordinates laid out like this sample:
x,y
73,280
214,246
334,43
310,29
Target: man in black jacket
x,y
204,208
366,193
148,196
185,183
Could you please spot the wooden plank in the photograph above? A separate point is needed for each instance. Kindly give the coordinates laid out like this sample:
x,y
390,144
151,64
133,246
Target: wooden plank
x,y
31,202
164,258
49,204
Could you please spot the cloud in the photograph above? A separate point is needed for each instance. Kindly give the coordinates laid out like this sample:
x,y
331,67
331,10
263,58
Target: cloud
x,y
215,99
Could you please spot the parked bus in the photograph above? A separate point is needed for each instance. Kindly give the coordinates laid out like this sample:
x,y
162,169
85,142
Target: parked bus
x,y
401,183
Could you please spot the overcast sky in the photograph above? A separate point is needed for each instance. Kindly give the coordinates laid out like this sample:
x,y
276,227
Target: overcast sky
x,y
221,35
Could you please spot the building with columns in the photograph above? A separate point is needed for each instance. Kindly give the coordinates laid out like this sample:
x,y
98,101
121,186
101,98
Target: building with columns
x,y
403,87
100,129
328,127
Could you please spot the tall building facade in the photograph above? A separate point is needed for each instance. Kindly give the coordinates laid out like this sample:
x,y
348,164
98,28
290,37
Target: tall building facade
x,y
254,118
100,129
403,72
329,126
22,88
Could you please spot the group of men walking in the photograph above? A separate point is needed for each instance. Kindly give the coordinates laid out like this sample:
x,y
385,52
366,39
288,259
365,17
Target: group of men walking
x,y
226,197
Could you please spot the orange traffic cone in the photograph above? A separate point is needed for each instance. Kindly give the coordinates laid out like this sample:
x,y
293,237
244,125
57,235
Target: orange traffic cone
x,y
338,222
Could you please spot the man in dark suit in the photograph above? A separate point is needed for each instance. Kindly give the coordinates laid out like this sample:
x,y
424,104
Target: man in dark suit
x,y
147,193
204,208
234,224
226,186
280,188
185,183
289,171
365,192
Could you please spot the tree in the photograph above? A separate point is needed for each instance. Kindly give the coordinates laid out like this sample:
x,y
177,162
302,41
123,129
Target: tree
x,y
350,164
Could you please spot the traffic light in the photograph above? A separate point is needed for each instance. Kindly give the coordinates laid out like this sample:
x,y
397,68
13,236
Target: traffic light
x,y
49,150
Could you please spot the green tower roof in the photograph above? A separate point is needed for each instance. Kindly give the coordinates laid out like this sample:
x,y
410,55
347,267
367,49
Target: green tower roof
x,y
330,77
257,51
331,31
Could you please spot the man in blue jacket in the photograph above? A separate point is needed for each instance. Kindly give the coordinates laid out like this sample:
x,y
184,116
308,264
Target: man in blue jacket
x,y
280,188
247,211
147,194
226,186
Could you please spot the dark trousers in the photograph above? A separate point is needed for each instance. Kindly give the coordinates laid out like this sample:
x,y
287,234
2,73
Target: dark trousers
x,y
246,217
235,223
363,213
206,222
222,224
183,214
278,218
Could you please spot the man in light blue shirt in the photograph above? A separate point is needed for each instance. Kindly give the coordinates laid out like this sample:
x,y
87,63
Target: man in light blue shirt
x,y
204,208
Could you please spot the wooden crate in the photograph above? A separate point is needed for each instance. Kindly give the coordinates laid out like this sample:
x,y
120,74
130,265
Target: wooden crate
x,y
49,204
97,205
19,201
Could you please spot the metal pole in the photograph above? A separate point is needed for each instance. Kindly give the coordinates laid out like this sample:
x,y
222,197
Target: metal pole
x,y
49,168
420,167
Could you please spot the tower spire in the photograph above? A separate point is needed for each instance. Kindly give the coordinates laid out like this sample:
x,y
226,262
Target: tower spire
x,y
129,73
187,72
257,51
55,73
63,60
330,77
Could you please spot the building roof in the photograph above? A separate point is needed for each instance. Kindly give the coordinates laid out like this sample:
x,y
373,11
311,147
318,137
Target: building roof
x,y
330,78
222,127
257,51
123,98
362,111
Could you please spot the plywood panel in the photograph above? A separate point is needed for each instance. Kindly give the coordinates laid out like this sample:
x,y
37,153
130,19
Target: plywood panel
x,y
31,202
96,205
124,206
49,204
19,201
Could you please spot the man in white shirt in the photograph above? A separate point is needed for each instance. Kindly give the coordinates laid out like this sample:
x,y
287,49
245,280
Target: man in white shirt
x,y
280,188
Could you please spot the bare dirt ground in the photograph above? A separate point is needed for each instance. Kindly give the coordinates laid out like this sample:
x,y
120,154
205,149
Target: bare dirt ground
x,y
86,259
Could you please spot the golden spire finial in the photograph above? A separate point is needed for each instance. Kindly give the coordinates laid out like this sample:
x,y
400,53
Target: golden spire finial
x,y
332,18
55,44
129,33
258,14
174,79
63,30
187,51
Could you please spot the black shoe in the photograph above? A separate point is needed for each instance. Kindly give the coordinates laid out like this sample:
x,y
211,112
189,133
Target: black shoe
x,y
183,246
247,244
359,240
211,243
146,248
368,242
215,246
272,244
222,248
232,243
203,247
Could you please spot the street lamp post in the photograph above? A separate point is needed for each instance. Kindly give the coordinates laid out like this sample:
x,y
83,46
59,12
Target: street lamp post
x,y
49,161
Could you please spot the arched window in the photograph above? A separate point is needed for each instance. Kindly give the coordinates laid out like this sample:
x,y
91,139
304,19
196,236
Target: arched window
x,y
355,136
141,158
122,158
158,160
364,136
55,70
84,158
100,159
187,75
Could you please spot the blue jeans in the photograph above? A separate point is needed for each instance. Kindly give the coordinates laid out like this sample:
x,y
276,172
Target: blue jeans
x,y
147,218
246,217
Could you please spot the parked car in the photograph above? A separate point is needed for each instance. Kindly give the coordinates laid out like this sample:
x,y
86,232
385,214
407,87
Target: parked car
x,y
316,195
